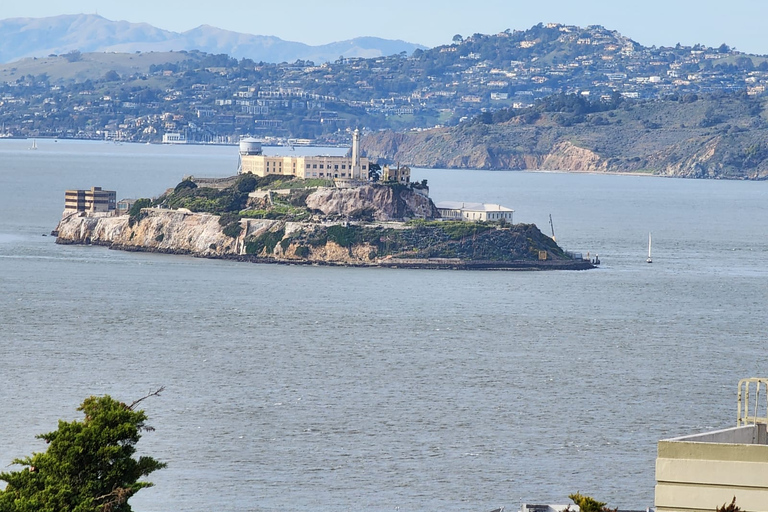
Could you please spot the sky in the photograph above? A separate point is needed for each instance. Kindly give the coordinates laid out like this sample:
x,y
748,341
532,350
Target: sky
x,y
738,23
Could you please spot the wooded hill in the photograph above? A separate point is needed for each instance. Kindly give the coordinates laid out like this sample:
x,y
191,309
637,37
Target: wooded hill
x,y
715,136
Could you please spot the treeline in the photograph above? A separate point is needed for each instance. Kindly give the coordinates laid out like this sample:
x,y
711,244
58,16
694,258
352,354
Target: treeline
x,y
576,106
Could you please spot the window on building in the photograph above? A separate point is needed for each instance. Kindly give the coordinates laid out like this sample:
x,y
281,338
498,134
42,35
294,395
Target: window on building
x,y
321,166
307,166
343,166
314,166
363,167
336,167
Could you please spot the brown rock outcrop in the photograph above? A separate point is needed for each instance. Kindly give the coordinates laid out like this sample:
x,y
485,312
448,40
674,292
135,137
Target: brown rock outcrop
x,y
384,202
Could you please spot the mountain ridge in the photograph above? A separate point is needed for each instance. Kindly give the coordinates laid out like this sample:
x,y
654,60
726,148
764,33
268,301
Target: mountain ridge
x,y
40,37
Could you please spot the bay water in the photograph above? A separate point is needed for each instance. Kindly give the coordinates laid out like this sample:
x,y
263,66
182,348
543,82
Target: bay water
x,y
324,388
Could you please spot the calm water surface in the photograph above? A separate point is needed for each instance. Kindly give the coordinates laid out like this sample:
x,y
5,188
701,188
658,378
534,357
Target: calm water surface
x,y
311,388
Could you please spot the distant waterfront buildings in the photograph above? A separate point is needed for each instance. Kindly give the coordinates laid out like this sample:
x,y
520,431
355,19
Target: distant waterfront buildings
x,y
174,138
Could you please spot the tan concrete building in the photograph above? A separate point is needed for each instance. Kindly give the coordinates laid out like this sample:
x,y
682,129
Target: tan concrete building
x,y
701,472
93,200
352,167
399,174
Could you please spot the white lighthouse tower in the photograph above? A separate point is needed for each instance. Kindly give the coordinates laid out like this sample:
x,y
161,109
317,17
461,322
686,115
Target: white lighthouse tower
x,y
356,174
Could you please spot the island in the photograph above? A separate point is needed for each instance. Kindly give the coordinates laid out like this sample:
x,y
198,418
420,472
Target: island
x,y
332,210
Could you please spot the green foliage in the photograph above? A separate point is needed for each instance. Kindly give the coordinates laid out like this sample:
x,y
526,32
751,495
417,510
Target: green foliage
x,y
246,183
134,214
301,251
228,218
233,229
160,237
88,466
298,198
456,230
267,241
588,504
230,223
254,214
345,236
185,184
278,212
206,199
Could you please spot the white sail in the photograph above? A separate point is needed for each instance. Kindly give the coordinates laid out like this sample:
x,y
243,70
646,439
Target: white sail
x,y
649,260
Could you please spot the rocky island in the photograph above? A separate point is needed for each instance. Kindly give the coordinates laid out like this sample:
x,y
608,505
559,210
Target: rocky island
x,y
335,210
274,219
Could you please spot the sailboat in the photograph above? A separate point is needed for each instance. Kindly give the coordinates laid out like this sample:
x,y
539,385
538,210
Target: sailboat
x,y
34,144
649,260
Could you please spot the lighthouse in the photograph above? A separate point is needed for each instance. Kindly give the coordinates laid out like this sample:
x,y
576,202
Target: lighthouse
x,y
356,174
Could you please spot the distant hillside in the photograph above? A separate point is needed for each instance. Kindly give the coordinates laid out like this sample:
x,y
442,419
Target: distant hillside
x,y
40,37
90,66
719,136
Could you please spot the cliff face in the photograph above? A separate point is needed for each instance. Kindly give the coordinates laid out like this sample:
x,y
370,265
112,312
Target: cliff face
x,y
170,231
386,203
198,234
444,148
662,138
425,244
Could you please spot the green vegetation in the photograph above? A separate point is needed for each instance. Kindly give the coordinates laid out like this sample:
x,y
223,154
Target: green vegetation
x,y
88,465
69,95
135,214
230,223
205,199
588,504
284,182
463,240
717,135
268,241
279,212
456,230
231,202
301,251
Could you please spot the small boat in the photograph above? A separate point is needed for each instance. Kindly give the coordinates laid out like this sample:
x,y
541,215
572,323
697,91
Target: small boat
x,y
34,144
649,260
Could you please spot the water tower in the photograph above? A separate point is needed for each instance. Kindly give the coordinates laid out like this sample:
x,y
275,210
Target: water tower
x,y
250,146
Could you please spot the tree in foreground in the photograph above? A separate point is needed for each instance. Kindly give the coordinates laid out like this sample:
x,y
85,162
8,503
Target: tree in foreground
x,y
589,504
88,466
733,507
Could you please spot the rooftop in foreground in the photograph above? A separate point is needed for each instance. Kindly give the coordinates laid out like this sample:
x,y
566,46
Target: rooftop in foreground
x,y
701,472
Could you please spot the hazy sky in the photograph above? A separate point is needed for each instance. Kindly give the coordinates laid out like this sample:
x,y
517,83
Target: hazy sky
x,y
739,23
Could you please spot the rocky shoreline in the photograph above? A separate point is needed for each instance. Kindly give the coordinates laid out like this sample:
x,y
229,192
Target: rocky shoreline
x,y
199,235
